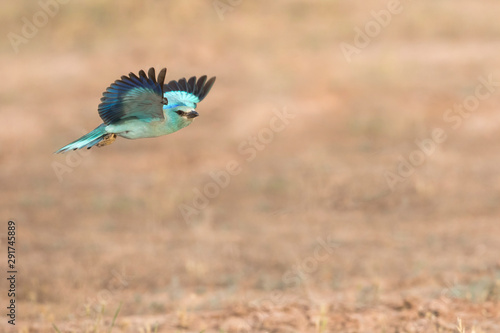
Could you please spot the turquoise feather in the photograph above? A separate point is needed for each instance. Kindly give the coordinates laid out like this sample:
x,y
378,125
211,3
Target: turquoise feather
x,y
142,106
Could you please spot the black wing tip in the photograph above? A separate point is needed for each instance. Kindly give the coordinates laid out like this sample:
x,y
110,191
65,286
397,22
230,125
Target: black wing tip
x,y
161,76
133,79
199,87
151,75
207,86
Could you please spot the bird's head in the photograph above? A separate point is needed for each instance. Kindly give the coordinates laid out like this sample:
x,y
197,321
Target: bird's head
x,y
187,114
182,97
181,116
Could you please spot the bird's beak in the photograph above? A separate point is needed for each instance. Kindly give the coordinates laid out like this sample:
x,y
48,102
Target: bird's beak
x,y
192,114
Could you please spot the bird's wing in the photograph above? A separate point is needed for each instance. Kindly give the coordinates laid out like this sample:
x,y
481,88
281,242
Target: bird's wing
x,y
134,97
190,91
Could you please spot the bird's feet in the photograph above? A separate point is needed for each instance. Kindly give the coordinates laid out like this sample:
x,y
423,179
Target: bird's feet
x,y
107,140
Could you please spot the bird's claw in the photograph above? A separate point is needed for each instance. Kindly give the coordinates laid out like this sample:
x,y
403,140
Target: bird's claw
x,y
107,140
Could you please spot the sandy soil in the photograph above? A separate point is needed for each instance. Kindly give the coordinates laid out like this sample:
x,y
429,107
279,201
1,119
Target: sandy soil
x,y
319,190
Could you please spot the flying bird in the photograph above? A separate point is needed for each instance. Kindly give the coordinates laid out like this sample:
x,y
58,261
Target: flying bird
x,y
135,107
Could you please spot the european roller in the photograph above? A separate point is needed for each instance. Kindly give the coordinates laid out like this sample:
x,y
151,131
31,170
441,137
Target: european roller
x,y
135,107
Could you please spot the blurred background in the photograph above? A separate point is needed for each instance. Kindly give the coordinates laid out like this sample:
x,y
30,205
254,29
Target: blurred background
x,y
342,177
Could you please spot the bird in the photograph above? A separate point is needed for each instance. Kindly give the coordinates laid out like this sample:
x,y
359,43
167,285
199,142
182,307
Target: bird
x,y
143,106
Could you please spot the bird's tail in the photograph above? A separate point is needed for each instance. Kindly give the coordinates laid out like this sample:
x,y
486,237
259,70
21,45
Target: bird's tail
x,y
87,141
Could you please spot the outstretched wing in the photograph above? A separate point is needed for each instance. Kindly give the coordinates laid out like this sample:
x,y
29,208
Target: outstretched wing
x,y
134,97
187,92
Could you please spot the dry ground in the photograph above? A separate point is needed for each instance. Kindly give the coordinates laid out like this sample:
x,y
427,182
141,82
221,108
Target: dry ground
x,y
309,235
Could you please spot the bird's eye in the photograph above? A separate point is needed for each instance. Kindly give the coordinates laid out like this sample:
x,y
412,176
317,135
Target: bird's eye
x,y
180,113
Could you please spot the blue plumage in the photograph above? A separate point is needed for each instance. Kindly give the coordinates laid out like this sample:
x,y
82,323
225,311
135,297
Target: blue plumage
x,y
133,96
143,106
